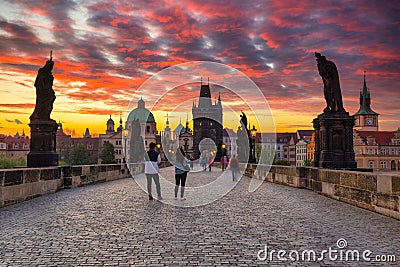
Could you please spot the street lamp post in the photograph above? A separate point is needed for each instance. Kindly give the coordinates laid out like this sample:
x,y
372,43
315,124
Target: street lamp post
x,y
158,148
253,133
125,134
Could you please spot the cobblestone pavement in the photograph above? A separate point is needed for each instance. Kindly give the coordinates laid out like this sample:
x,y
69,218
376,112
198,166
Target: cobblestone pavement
x,y
114,224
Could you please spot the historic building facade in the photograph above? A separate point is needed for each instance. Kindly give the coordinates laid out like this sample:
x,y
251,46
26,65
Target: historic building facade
x,y
377,150
207,121
15,146
65,144
148,127
113,137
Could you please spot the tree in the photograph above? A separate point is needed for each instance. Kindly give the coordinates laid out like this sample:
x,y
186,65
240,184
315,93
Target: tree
x,y
80,155
8,163
308,162
107,154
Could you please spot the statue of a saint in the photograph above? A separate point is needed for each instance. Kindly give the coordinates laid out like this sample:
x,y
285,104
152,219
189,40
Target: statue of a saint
x,y
45,95
330,76
243,120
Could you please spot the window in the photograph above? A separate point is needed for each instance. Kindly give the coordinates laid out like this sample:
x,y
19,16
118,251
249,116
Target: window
x,y
371,164
383,164
148,129
393,151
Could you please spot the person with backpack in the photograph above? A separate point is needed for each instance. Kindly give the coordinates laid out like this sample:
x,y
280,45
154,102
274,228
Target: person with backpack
x,y
181,169
234,164
153,158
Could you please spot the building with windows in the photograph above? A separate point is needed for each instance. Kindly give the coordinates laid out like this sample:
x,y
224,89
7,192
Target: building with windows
x,y
311,148
113,137
301,152
377,150
65,144
229,139
16,146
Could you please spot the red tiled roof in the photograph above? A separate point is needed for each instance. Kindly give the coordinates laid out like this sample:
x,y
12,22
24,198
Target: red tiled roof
x,y
381,137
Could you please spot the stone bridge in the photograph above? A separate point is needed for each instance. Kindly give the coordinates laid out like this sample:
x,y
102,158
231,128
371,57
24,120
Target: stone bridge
x,y
114,224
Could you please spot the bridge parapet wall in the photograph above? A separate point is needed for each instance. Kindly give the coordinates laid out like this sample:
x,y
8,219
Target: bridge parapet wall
x,y
376,192
17,185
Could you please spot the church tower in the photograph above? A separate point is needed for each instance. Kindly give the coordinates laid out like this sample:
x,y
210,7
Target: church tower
x,y
365,118
207,121
110,126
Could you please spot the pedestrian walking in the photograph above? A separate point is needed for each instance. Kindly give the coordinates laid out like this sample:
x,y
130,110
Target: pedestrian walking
x,y
210,163
203,163
234,164
223,161
152,159
181,169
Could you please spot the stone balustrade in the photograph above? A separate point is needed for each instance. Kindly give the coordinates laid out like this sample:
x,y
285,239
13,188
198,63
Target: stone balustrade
x,y
376,192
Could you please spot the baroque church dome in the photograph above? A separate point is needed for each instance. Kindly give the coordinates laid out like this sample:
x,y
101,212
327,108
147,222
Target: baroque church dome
x,y
141,113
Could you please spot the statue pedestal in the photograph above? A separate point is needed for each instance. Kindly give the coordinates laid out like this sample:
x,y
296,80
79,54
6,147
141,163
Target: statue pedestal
x,y
43,143
334,141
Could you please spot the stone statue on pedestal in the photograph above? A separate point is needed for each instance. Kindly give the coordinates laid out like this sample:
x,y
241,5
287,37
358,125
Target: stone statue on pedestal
x,y
334,127
43,128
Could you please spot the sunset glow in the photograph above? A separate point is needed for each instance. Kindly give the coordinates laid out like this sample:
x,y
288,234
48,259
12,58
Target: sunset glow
x,y
103,51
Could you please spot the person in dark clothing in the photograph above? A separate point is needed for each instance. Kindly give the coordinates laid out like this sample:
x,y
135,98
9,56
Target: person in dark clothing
x,y
181,170
234,166
153,158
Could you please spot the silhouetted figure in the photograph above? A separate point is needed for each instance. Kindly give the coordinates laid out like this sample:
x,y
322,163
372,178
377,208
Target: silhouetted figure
x,y
43,129
243,120
330,76
181,170
45,95
153,158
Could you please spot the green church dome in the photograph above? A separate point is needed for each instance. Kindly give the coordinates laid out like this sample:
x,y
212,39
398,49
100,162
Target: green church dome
x,y
141,113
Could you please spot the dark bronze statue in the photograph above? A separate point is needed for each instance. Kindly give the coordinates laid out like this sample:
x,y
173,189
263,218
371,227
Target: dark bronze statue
x,y
243,120
330,76
45,95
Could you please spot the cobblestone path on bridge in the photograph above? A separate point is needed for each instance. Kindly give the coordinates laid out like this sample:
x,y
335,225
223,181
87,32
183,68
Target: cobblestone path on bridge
x,y
114,224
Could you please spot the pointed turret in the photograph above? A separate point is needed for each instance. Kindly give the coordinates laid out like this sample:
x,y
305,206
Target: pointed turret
x,y
365,101
365,118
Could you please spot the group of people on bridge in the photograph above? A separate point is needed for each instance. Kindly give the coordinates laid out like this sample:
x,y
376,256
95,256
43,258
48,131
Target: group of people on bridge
x,y
182,167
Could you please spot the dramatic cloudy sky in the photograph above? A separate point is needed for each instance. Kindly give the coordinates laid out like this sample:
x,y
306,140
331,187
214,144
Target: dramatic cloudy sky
x,y
104,50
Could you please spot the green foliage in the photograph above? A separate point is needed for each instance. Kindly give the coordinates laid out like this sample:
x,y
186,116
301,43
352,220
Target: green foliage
x,y
80,155
107,154
307,162
282,162
62,163
8,163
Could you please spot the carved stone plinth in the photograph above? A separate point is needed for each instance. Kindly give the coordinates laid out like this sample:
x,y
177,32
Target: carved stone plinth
x,y
43,144
334,141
